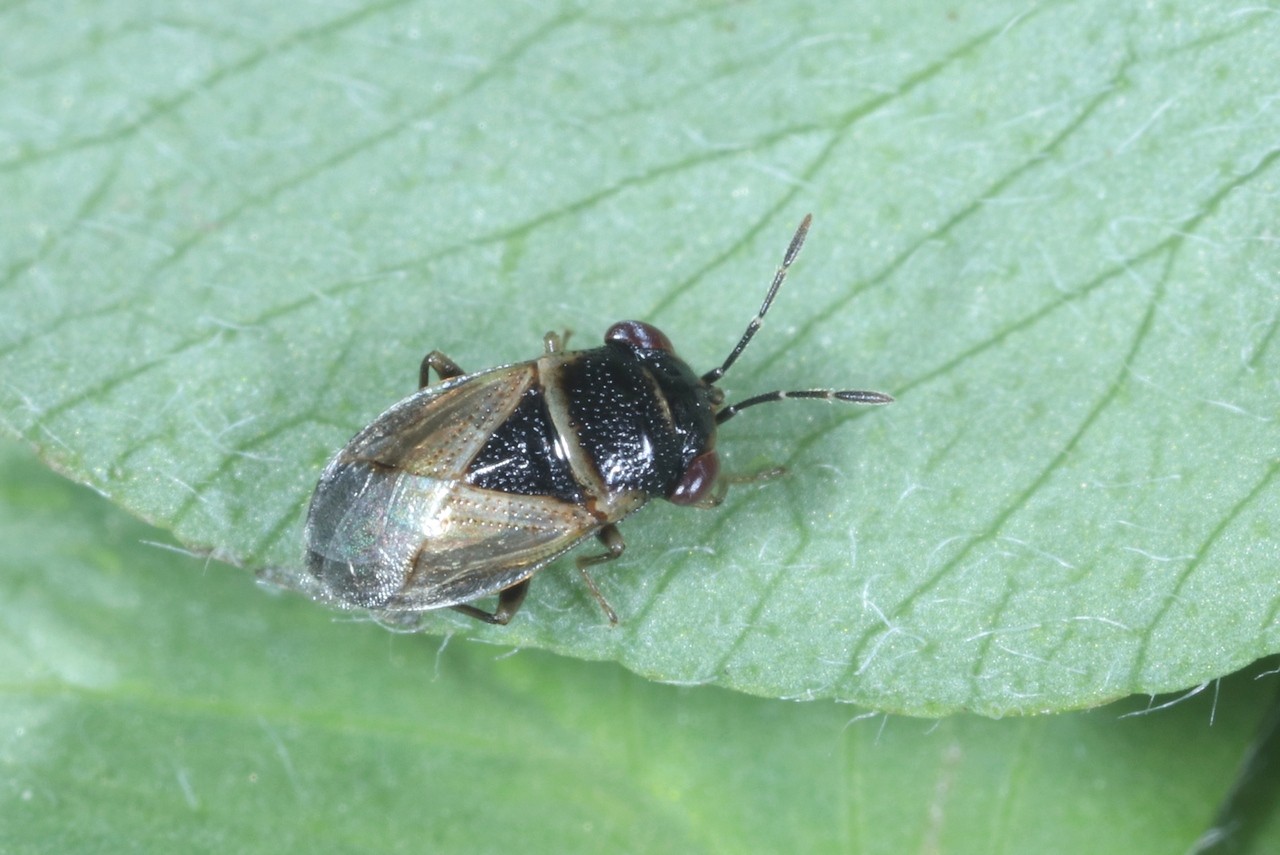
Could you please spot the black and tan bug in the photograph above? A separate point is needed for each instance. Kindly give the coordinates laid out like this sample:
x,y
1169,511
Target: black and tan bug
x,y
467,488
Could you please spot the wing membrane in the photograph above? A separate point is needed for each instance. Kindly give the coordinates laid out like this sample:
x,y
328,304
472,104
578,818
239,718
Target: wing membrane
x,y
398,542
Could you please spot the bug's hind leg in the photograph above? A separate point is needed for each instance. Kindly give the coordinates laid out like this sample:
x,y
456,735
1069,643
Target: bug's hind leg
x,y
612,540
439,363
509,601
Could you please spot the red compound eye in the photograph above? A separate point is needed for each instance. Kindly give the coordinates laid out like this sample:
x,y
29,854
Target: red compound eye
x,y
696,482
639,334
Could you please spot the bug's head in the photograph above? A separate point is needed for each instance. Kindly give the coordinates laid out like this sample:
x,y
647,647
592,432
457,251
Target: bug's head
x,y
688,407
708,380
694,406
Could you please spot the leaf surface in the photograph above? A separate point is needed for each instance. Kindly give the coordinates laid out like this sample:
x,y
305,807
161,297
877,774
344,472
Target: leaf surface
x,y
1049,230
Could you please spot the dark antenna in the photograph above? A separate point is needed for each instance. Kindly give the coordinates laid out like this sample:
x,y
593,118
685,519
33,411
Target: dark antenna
x,y
792,251
852,396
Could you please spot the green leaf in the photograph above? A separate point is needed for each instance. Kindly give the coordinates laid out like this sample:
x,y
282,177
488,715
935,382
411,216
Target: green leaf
x,y
156,700
231,234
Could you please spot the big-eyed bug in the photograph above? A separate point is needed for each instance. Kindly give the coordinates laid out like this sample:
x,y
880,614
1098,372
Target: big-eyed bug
x,y
467,488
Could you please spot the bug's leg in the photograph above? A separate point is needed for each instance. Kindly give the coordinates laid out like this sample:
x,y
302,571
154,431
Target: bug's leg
x,y
441,364
722,484
612,540
765,473
509,601
398,621
718,491
556,342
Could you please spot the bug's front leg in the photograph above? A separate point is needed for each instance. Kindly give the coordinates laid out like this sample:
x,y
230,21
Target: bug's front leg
x,y
721,488
612,540
509,601
441,364
556,342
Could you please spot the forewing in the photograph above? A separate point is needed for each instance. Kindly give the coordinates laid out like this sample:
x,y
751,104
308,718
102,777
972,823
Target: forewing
x,y
484,541
393,526
437,431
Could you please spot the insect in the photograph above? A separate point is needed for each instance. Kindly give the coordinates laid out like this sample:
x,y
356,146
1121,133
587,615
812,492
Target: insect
x,y
469,487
